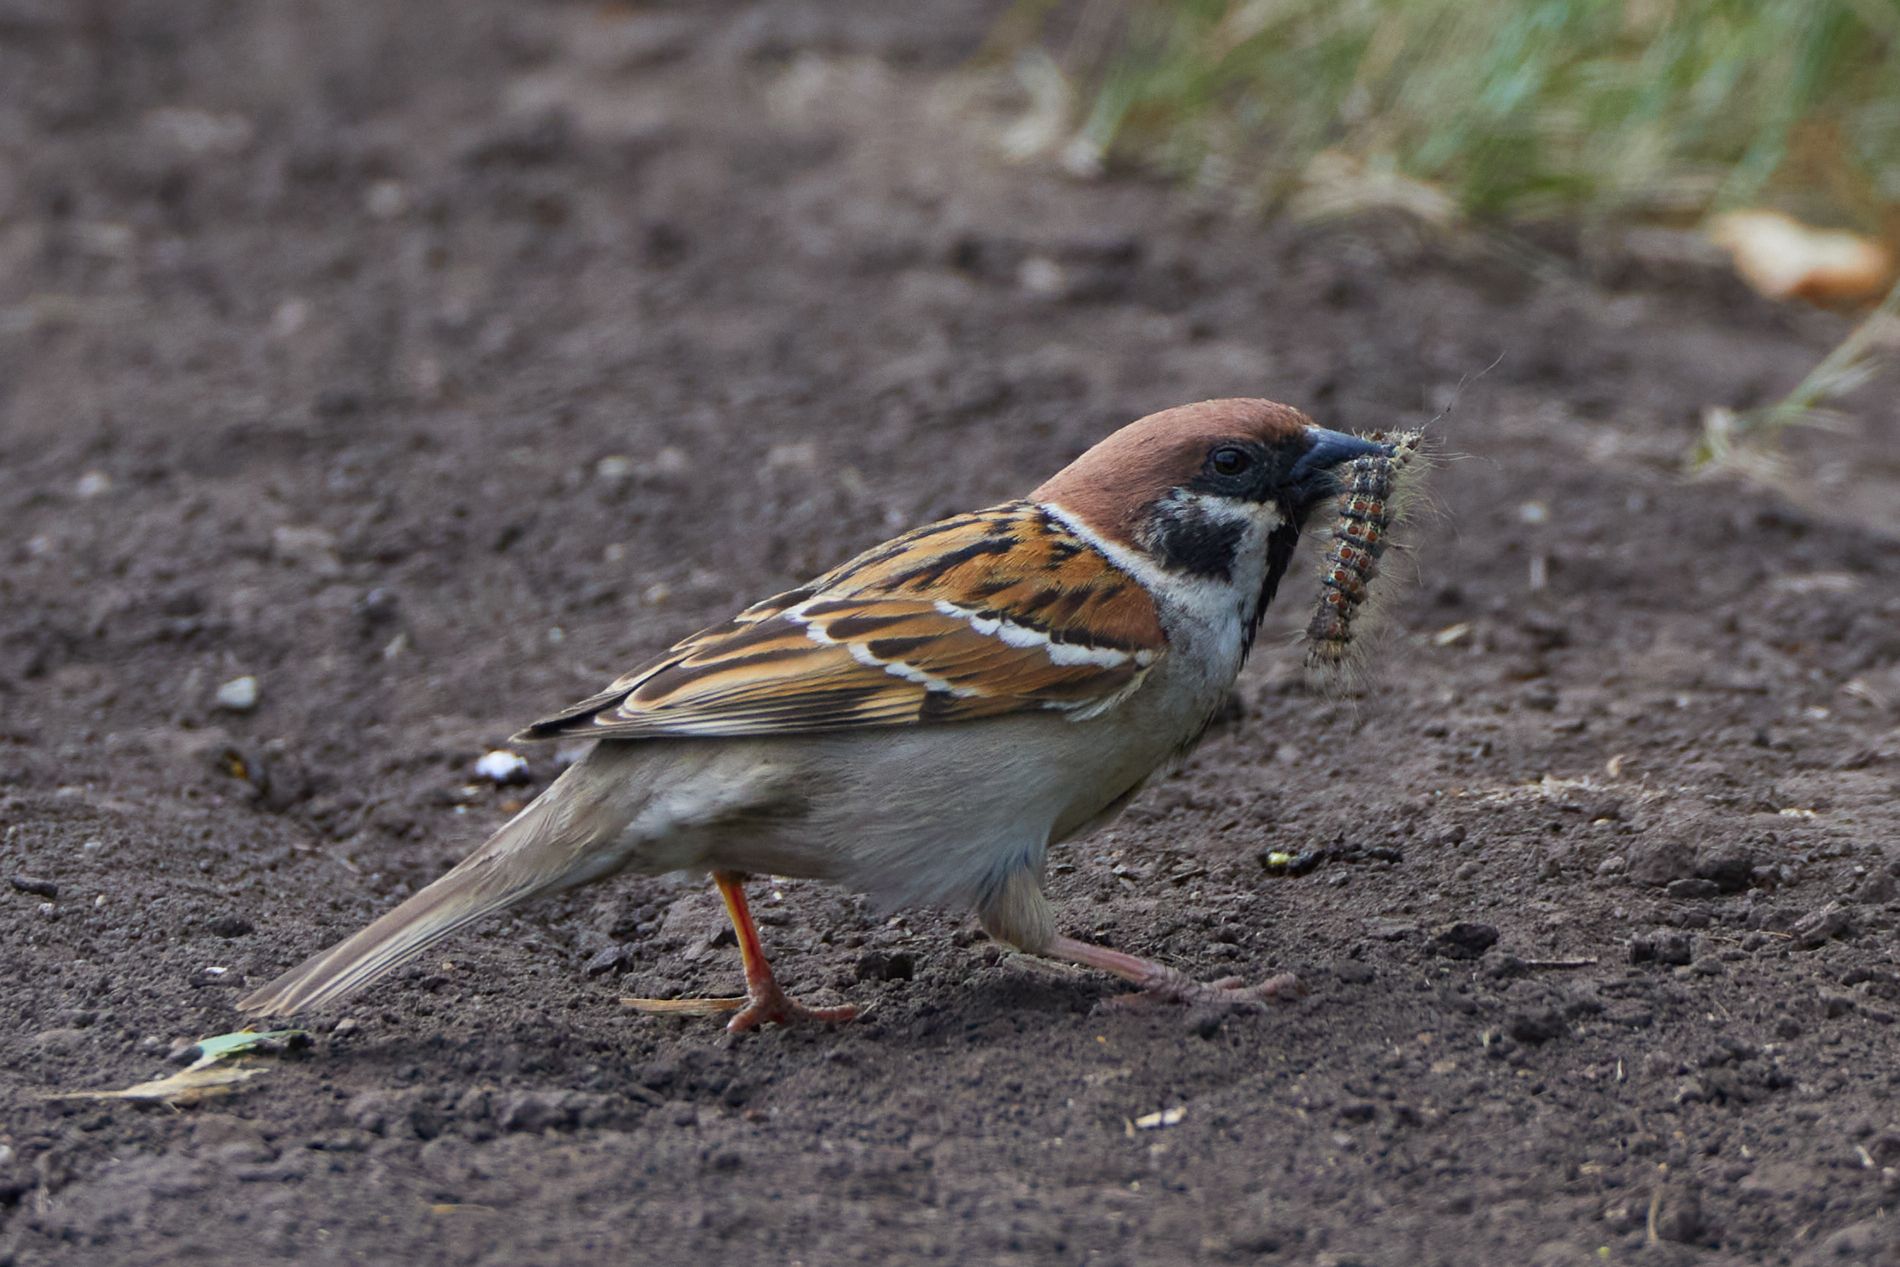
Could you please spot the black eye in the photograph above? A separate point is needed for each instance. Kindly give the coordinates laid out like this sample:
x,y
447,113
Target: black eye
x,y
1229,460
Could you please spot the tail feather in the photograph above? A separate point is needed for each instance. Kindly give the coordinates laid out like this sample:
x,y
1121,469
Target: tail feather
x,y
541,850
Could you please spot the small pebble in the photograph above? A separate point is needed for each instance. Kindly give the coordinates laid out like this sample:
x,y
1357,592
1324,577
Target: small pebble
x,y
502,766
289,318
386,199
93,484
1816,927
239,695
1040,275
605,960
1835,1003
1674,949
1205,1022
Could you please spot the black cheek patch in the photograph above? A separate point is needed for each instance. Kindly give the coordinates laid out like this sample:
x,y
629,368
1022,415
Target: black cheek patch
x,y
1187,539
1280,546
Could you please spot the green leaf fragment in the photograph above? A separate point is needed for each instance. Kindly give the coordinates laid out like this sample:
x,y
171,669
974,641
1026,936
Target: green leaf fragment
x,y
209,1075
222,1046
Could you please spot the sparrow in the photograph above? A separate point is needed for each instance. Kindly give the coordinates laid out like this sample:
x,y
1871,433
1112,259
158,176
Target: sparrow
x,y
924,722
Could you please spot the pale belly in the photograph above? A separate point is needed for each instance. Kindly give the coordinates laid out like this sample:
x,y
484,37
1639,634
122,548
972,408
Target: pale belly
x,y
911,815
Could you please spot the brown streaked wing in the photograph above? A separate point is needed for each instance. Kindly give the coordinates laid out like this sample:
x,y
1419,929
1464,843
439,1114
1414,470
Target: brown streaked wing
x,y
579,712
867,644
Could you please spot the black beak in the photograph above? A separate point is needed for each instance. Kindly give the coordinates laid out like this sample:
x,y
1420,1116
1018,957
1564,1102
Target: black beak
x,y
1313,472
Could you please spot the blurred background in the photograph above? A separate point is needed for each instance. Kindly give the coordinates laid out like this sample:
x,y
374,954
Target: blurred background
x,y
1554,109
1768,131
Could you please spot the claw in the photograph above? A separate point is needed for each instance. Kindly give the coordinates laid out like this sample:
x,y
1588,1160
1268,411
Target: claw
x,y
1162,984
1177,988
781,1010
769,1007
764,1002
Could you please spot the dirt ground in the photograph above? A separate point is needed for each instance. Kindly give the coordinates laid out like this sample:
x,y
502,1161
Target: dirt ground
x,y
434,362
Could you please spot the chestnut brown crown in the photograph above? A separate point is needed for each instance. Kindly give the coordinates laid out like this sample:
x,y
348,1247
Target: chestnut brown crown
x,y
1112,486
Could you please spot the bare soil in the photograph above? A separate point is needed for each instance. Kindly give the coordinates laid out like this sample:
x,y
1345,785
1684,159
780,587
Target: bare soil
x,y
434,362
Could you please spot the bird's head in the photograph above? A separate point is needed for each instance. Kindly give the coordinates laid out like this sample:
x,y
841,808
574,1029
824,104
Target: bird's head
x,y
1217,490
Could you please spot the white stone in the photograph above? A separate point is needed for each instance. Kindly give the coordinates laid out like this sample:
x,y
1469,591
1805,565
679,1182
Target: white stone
x,y
239,694
502,766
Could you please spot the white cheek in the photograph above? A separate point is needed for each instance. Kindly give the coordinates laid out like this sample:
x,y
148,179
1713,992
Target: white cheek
x,y
1206,617
1212,601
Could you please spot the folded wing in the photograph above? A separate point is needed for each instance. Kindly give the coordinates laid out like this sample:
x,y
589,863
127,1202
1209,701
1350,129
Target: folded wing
x,y
1001,611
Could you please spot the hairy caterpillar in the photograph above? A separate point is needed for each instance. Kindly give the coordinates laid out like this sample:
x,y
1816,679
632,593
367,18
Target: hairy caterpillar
x,y
1370,502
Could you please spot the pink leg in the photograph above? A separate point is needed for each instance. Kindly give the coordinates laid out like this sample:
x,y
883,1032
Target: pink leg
x,y
1162,984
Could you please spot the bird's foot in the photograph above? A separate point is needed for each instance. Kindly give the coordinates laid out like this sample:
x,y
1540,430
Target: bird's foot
x,y
772,1006
1173,988
1161,984
768,1005
765,1001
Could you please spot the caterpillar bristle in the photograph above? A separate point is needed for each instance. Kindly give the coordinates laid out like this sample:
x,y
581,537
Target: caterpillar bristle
x,y
1374,494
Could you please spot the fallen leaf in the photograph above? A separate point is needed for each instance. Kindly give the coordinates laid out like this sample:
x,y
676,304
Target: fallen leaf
x,y
1786,259
204,1077
187,1086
